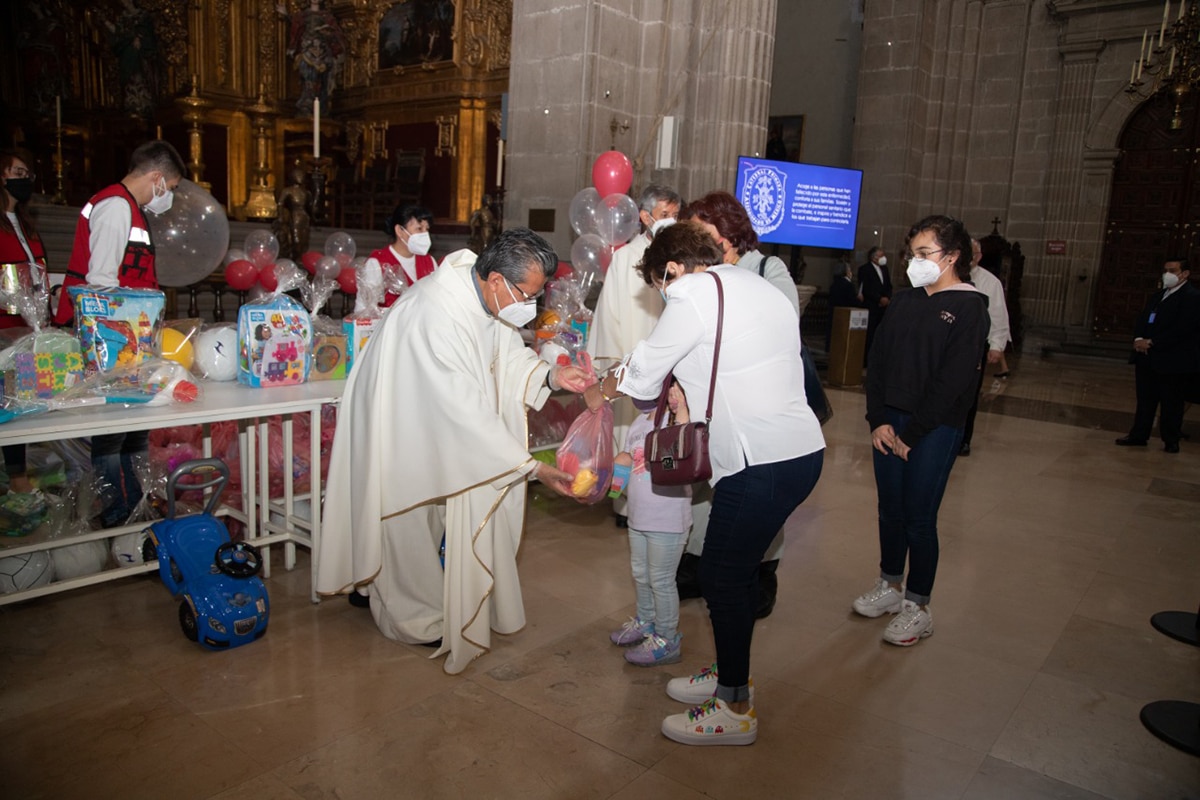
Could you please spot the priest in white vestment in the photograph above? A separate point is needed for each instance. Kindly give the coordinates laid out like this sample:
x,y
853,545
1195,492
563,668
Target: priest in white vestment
x,y
432,441
628,309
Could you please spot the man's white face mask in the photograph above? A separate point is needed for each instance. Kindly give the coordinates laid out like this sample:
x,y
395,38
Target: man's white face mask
x,y
660,225
160,202
519,313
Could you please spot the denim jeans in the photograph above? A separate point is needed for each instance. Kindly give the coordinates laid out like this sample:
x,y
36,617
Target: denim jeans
x,y
653,557
112,461
748,509
910,493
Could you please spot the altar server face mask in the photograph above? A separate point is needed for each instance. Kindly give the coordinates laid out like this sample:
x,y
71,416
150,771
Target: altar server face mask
x,y
923,271
163,197
419,243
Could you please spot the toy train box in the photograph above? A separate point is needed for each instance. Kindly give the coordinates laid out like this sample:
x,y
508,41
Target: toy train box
x,y
116,326
274,343
358,330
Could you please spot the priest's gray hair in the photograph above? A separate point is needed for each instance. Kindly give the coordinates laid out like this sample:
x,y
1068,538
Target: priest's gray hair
x,y
656,193
514,253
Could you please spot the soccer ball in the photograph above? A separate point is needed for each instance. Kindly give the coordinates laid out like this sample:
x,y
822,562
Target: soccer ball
x,y
77,560
26,571
216,353
131,549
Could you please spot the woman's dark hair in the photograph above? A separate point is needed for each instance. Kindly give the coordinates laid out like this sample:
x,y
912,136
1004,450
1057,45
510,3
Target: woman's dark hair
x,y
7,157
951,236
723,211
401,214
684,243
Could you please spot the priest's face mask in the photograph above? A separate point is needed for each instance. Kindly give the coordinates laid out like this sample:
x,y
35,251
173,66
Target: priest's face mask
x,y
515,303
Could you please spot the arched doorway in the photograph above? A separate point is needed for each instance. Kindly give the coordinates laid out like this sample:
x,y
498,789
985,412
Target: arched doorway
x,y
1154,211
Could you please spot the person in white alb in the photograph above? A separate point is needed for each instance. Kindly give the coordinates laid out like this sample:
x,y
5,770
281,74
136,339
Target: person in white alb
x,y
998,332
765,447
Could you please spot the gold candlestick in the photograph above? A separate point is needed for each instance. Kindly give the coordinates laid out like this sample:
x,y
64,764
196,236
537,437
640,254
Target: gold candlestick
x,y
262,203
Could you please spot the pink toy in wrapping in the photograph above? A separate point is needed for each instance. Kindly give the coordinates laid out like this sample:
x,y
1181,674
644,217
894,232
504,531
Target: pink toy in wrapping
x,y
587,454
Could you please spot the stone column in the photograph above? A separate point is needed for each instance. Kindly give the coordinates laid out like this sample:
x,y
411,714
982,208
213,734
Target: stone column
x,y
1046,281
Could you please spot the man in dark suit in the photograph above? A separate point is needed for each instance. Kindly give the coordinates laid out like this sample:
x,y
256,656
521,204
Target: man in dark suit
x,y
874,291
1166,357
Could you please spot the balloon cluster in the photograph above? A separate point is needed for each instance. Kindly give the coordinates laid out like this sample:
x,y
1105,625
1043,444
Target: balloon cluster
x,y
259,263
336,263
603,215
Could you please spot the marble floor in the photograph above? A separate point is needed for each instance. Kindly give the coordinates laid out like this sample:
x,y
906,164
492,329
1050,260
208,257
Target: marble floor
x,y
1056,549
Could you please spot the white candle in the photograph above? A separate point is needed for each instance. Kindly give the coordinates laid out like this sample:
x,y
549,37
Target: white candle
x,y
316,128
499,162
1162,30
1142,57
1171,66
58,110
1133,73
1182,5
1139,70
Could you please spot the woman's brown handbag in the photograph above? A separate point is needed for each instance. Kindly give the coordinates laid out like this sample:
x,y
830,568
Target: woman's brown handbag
x,y
678,454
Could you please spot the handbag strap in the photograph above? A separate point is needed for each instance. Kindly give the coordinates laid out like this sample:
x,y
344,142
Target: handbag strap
x,y
661,411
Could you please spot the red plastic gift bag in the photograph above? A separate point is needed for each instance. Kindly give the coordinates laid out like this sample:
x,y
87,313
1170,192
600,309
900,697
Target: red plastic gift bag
x,y
587,454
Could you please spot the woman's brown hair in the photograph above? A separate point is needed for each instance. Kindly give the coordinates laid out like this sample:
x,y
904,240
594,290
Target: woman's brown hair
x,y
684,243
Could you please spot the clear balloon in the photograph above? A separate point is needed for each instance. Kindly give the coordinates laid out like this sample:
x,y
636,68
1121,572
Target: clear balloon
x,y
612,173
234,254
262,248
241,275
583,214
618,218
328,267
590,255
190,238
341,246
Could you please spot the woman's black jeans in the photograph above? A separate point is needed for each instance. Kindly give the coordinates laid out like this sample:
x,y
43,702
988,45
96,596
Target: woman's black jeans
x,y
748,509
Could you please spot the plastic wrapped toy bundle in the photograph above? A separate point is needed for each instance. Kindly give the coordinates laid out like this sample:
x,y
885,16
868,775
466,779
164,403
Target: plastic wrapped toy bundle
x,y
44,362
177,340
216,352
116,326
587,454
275,335
361,323
153,381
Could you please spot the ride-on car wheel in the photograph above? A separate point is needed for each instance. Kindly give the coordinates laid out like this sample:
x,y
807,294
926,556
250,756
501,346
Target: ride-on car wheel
x,y
187,621
238,559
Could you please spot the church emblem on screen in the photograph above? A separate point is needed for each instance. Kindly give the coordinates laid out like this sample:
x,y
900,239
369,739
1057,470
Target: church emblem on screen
x,y
764,197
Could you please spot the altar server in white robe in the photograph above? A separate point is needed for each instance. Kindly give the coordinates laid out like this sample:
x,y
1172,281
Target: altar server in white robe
x,y
432,438
628,309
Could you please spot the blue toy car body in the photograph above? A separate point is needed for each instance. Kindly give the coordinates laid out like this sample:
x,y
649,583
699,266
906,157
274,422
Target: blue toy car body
x,y
222,604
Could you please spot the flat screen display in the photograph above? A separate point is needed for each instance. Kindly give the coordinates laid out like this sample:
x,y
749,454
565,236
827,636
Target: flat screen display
x,y
804,204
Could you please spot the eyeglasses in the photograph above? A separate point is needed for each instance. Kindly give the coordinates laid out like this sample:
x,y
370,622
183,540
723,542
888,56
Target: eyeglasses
x,y
926,254
21,172
525,295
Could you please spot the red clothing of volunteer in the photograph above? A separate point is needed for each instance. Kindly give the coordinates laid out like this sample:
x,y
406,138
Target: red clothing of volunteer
x,y
386,256
136,270
12,253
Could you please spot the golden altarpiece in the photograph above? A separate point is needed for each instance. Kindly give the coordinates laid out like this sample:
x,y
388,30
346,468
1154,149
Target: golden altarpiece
x,y
409,95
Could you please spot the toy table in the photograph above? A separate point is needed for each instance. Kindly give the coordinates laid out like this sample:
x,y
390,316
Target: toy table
x,y
250,408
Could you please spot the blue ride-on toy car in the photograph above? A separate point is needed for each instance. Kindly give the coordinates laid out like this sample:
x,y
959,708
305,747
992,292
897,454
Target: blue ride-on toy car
x,y
223,604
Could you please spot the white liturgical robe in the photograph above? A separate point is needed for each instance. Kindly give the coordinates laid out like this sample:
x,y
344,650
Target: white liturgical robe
x,y
432,437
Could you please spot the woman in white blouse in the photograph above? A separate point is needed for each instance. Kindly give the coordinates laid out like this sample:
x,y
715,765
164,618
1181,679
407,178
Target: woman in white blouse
x,y
765,446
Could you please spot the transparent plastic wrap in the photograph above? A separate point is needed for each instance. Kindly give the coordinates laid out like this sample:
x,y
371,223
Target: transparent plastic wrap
x,y
153,381
275,335
587,454
216,352
177,340
361,323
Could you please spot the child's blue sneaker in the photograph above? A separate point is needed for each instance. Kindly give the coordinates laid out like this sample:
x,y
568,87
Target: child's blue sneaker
x,y
632,632
655,650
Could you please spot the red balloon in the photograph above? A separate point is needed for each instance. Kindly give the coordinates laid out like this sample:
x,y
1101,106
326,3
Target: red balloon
x,y
241,274
267,278
612,173
348,280
309,260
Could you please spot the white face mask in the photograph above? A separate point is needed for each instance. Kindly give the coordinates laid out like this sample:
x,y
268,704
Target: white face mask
x,y
520,313
1170,280
659,225
160,203
882,261
923,272
419,243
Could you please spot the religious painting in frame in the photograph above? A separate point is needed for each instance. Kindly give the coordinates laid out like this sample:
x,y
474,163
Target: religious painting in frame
x,y
416,32
785,138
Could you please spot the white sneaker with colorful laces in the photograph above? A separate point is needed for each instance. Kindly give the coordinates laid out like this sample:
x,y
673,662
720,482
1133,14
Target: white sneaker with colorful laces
x,y
695,689
711,723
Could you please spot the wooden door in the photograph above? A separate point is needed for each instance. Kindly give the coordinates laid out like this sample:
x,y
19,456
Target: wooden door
x,y
1153,212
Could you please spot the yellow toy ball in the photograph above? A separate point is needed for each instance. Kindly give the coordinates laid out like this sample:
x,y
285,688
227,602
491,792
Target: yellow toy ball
x,y
547,319
585,481
176,347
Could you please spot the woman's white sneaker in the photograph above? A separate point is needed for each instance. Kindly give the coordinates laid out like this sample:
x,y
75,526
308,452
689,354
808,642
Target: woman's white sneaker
x,y
882,599
910,626
711,723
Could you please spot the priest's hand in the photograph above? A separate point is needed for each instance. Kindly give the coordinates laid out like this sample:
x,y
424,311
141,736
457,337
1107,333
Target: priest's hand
x,y
553,477
572,378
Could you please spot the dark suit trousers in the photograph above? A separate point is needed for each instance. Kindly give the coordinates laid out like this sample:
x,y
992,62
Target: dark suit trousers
x,y
1156,389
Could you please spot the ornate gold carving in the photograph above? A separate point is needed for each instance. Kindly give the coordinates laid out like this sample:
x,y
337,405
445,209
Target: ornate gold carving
x,y
447,134
487,33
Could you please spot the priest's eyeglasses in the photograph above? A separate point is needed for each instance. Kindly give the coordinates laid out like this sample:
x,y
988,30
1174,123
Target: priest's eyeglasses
x,y
525,295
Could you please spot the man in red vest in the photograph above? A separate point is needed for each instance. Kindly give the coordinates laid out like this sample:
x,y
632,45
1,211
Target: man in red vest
x,y
113,248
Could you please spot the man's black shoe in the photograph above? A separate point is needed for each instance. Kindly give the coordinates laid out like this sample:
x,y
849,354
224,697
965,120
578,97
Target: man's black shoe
x,y
359,600
1171,447
1126,441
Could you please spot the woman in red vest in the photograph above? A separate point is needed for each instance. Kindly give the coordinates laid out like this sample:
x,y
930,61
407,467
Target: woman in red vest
x,y
21,251
408,254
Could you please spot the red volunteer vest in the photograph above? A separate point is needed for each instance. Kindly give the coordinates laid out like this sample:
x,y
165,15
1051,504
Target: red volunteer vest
x,y
385,256
136,270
